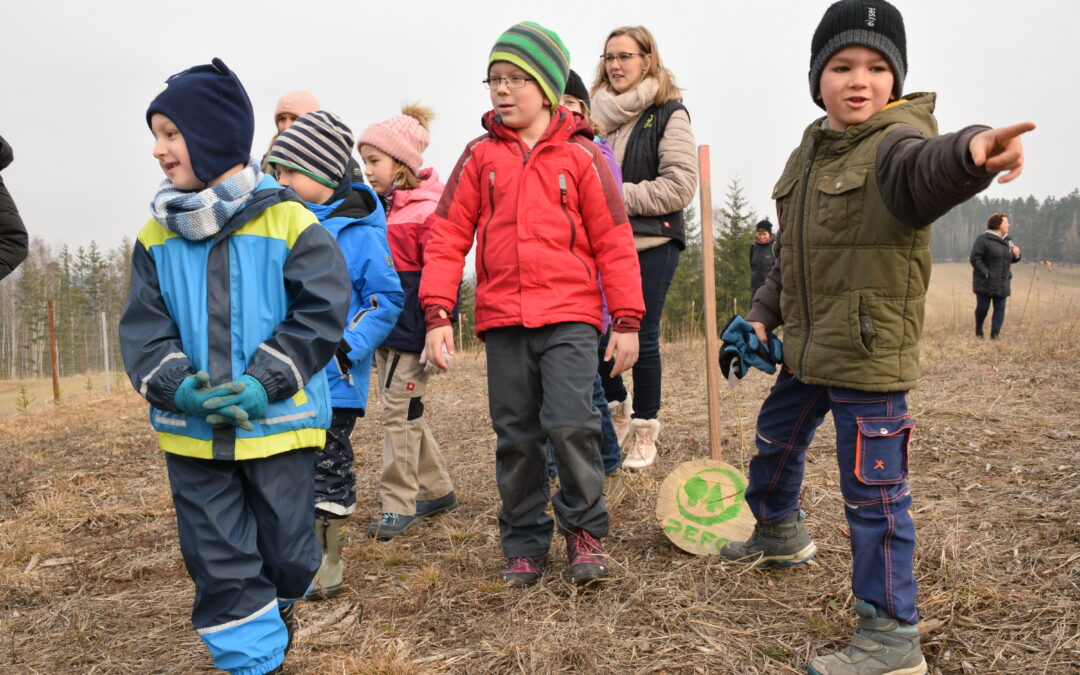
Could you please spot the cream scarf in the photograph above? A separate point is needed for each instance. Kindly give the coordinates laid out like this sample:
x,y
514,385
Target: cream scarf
x,y
612,110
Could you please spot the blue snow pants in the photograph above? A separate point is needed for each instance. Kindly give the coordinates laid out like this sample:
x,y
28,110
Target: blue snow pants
x,y
248,544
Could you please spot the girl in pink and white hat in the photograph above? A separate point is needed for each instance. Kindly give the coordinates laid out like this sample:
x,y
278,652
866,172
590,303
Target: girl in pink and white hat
x,y
415,483
289,108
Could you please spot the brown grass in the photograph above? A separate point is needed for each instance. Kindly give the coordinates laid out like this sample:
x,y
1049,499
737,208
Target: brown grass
x,y
91,579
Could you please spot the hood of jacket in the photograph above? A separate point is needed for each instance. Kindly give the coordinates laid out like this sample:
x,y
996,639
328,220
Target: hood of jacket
x,y
564,124
360,207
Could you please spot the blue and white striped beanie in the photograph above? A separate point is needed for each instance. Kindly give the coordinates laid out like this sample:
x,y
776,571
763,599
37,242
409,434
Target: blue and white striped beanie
x,y
317,145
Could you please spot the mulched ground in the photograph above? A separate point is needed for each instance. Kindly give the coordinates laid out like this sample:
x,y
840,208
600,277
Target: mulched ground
x,y
91,579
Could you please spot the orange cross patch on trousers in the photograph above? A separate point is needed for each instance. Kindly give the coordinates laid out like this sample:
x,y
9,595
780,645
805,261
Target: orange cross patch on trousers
x,y
879,464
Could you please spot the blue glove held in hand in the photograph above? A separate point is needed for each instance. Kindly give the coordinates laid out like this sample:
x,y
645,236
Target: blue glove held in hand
x,y
193,393
246,402
741,346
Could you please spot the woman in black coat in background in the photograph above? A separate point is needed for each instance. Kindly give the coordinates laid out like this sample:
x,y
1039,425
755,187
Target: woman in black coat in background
x,y
13,241
992,258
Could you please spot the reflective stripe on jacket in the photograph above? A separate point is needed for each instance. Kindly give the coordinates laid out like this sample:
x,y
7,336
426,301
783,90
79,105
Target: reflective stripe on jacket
x,y
358,223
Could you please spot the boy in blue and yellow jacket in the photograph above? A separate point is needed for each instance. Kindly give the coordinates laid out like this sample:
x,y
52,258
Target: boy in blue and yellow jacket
x,y
312,157
238,300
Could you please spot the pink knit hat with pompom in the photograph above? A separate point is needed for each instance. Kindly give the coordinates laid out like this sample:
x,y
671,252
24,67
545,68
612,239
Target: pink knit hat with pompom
x,y
403,137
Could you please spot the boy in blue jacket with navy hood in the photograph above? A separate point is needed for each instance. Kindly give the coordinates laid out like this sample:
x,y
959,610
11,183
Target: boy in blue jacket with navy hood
x,y
238,299
312,157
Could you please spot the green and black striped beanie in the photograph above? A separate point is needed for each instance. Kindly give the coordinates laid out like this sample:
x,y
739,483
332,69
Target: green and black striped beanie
x,y
539,52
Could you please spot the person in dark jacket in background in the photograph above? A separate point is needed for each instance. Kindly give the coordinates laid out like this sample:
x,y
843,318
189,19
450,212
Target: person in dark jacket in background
x,y
761,256
992,258
13,241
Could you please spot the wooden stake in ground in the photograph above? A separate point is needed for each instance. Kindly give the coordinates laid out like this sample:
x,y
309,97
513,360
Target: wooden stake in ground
x,y
52,355
702,504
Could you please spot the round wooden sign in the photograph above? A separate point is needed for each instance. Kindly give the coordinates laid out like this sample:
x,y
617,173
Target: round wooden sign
x,y
702,505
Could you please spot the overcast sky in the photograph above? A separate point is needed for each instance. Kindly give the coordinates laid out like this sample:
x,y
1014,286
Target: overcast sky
x,y
77,78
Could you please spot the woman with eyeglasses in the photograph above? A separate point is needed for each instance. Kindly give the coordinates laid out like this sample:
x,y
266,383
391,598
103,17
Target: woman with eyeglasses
x,y
639,111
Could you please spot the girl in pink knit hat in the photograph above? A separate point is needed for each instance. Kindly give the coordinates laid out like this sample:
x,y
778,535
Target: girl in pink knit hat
x,y
289,108
415,483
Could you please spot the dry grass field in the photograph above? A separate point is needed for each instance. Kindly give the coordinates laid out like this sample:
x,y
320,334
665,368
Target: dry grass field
x,y
91,579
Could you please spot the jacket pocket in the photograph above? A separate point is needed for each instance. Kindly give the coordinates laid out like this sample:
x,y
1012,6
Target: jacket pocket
x,y
482,235
863,327
840,198
881,449
782,193
565,202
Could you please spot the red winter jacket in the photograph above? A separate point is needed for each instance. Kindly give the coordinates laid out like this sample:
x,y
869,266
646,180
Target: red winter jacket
x,y
545,222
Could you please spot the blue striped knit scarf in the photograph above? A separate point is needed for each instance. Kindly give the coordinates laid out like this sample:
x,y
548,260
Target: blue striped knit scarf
x,y
202,214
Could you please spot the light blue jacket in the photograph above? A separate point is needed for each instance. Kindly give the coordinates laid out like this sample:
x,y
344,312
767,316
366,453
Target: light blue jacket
x,y
358,222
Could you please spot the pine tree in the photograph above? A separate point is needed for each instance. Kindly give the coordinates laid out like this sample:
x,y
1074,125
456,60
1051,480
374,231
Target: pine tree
x,y
683,306
734,238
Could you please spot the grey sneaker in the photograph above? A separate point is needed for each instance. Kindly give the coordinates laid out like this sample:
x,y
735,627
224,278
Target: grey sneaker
x,y
787,543
881,645
391,525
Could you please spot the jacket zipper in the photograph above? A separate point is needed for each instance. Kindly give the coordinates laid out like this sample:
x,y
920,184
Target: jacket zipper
x,y
360,315
802,259
484,229
570,220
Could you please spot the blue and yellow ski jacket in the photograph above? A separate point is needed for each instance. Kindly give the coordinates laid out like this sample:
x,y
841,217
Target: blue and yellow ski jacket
x,y
267,297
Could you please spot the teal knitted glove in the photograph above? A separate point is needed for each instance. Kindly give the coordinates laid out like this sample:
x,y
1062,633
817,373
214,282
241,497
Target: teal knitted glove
x,y
248,402
195,391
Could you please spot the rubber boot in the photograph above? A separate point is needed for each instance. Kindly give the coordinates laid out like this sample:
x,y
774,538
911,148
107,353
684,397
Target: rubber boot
x,y
330,579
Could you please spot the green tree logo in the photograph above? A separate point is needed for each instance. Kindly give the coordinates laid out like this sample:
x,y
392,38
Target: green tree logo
x,y
711,496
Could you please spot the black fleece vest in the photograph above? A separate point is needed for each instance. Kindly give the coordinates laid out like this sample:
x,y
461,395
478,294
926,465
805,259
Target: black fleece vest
x,y
641,162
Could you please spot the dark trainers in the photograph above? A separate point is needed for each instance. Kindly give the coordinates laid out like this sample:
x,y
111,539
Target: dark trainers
x,y
588,564
391,525
786,543
523,571
433,507
288,615
881,645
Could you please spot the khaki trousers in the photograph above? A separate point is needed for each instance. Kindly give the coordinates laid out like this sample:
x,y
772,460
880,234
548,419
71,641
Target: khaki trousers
x,y
413,466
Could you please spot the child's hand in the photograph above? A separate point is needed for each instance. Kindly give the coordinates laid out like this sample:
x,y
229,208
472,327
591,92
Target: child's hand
x,y
1001,150
624,347
439,339
759,331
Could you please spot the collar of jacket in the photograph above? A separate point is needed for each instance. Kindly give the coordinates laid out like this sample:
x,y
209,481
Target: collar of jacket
x,y
564,124
267,193
918,106
360,206
430,190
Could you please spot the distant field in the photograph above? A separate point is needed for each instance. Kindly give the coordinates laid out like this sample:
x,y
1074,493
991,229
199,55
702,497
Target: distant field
x,y
1052,295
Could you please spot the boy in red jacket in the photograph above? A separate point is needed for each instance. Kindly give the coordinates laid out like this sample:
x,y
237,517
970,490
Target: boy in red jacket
x,y
547,217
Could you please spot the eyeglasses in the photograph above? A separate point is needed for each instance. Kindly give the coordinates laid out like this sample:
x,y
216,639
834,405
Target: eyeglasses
x,y
624,57
514,82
